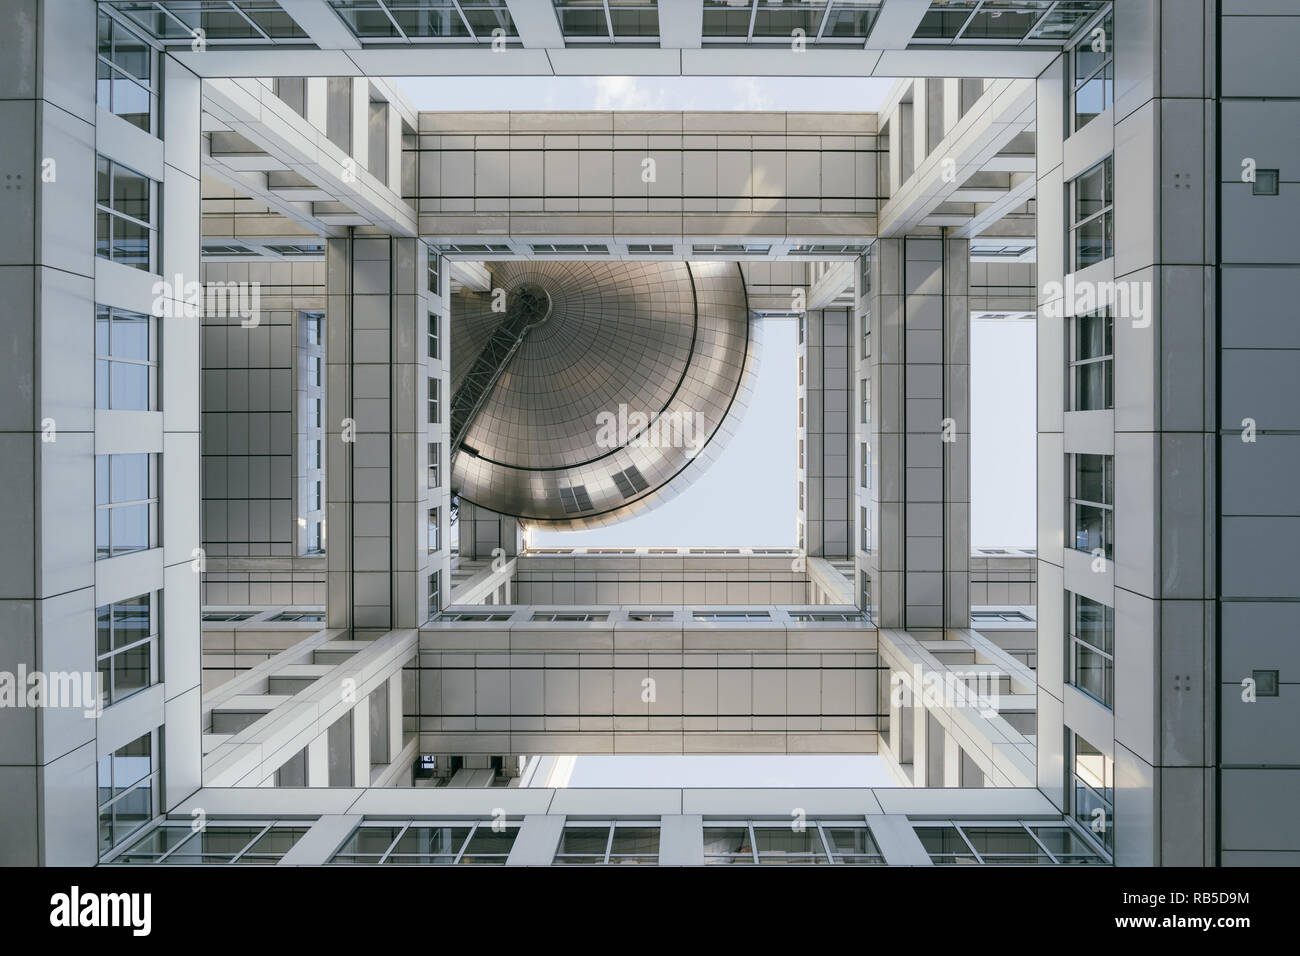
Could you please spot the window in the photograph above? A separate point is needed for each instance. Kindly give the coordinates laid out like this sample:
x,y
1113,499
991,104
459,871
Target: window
x,y
817,842
865,320
864,393
800,369
1092,197
126,645
608,21
316,496
127,782
1266,182
1267,683
827,617
865,522
313,327
800,454
177,842
377,140
314,364
801,322
228,617
1090,647
999,617
427,844
435,458
1092,503
435,592
866,465
433,530
124,74
1092,800
435,395
474,618
338,112
124,202
293,91
1092,360
580,616
315,538
126,360
650,616
316,413
296,617
316,454
434,351
1006,844
730,617
599,844
1092,76
864,593
126,504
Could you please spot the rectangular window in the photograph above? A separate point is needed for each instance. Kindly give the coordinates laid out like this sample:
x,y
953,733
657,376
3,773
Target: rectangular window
x,y
435,456
126,360
316,454
434,351
124,203
435,404
314,545
865,319
865,522
1092,776
126,504
1092,503
338,112
315,363
866,465
602,844
435,592
434,287
1092,362
127,781
316,413
800,369
864,593
1091,216
864,391
377,140
125,75
126,646
313,325
1092,75
1090,647
433,530
316,496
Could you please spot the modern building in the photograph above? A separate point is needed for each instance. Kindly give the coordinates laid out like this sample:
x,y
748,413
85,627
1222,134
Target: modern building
x,y
295,370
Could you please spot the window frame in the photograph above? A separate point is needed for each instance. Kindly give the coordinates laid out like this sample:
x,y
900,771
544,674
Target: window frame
x,y
1076,643
1075,364
107,213
105,661
104,548
1074,504
1104,71
120,74
106,360
1105,214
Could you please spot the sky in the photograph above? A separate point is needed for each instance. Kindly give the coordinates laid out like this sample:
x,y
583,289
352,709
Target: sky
x,y
747,498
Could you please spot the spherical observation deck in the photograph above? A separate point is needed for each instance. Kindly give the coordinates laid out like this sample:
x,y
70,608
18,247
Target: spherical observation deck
x,y
596,389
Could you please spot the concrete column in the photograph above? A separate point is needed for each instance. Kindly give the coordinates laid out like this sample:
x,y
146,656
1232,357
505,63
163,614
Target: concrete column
x,y
920,433
827,433
361,743
318,761
378,426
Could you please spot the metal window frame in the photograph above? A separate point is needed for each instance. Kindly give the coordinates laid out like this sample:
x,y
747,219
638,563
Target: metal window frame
x,y
401,36
402,826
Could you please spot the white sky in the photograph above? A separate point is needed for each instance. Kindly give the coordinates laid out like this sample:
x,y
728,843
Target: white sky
x,y
748,498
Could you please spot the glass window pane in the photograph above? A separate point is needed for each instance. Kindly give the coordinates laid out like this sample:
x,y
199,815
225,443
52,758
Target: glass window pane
x,y
585,840
130,477
130,386
643,841
130,336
